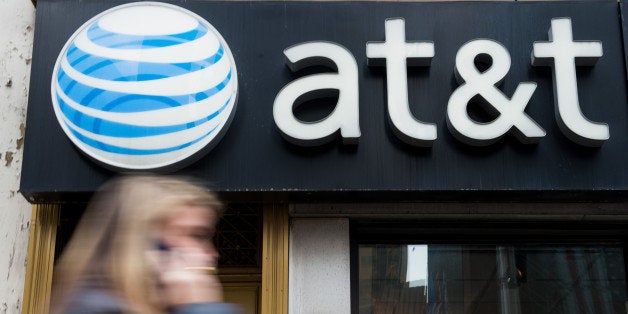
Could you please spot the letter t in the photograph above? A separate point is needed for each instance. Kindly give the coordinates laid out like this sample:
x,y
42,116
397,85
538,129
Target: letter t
x,y
399,54
566,54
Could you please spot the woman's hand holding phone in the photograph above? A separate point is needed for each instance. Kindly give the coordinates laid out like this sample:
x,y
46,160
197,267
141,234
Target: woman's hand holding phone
x,y
184,276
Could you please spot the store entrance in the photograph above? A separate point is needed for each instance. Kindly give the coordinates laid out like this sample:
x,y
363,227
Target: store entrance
x,y
252,242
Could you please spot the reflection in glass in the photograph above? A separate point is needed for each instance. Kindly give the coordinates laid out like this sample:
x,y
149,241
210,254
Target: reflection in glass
x,y
416,273
488,279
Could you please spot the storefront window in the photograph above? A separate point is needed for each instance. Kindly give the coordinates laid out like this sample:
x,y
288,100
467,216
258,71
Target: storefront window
x,y
504,279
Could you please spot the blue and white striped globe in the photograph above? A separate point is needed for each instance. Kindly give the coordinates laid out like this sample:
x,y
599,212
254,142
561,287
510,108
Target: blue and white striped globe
x,y
145,85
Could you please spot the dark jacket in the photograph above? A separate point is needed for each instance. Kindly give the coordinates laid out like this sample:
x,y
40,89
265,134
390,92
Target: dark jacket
x,y
98,301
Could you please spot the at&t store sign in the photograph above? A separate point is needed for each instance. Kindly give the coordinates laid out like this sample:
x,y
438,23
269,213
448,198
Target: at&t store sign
x,y
561,52
351,96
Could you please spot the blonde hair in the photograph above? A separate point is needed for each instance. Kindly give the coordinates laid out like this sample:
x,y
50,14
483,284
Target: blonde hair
x,y
116,230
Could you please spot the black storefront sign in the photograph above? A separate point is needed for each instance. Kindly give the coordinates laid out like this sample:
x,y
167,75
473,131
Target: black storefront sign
x,y
254,159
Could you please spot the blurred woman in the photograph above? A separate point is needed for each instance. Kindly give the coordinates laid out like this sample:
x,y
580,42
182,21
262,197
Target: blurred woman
x,y
144,245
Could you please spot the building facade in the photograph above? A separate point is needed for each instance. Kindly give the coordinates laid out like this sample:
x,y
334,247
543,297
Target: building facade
x,y
381,157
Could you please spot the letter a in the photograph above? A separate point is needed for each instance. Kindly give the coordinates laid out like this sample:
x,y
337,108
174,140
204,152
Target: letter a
x,y
344,118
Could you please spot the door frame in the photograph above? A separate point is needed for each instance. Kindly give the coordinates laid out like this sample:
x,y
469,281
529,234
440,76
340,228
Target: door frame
x,y
43,237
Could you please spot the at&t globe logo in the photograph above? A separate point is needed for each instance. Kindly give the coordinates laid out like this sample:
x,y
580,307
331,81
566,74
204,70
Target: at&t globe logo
x,y
145,86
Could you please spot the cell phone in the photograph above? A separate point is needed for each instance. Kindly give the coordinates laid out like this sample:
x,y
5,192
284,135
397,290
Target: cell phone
x,y
161,246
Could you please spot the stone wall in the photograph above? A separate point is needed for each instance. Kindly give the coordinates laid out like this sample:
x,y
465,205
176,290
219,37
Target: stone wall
x,y
17,19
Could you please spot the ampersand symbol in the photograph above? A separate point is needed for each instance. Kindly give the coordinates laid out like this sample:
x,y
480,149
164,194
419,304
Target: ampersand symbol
x,y
474,82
